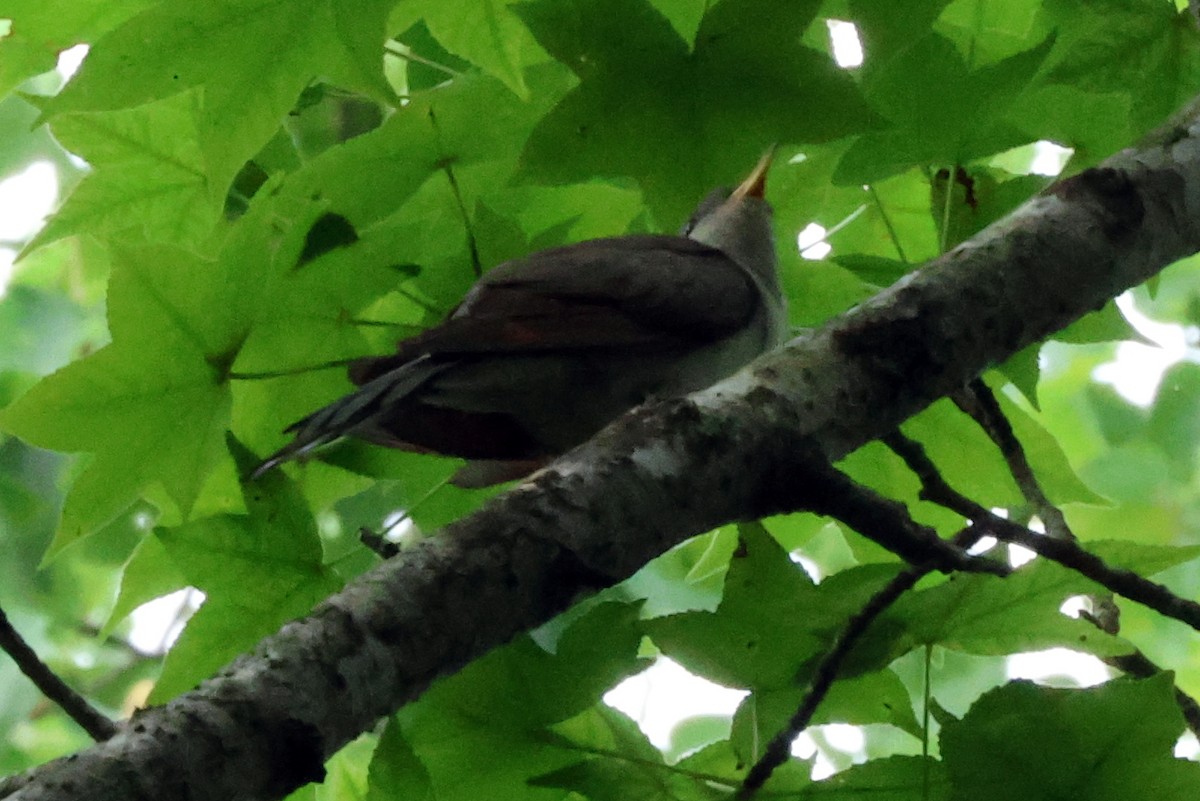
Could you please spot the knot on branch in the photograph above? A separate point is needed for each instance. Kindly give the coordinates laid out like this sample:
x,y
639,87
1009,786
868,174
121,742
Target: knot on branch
x,y
1116,195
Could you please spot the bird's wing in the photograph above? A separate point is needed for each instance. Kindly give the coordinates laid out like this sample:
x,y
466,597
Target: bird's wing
x,y
663,284
647,293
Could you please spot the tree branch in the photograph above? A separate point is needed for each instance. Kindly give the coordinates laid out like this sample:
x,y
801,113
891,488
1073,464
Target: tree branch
x,y
75,705
934,488
663,473
979,402
830,492
1125,583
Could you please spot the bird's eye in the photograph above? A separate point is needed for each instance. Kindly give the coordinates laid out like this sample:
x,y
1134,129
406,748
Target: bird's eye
x,y
707,206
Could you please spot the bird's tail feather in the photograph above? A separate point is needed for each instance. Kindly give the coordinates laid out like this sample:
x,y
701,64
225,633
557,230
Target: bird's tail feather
x,y
354,411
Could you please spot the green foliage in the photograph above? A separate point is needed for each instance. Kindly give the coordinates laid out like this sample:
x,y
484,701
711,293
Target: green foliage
x,y
1109,742
274,188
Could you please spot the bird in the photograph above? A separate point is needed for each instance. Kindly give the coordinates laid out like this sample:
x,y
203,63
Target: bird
x,y
547,349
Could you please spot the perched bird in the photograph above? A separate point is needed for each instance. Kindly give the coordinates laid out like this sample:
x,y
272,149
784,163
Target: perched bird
x,y
545,350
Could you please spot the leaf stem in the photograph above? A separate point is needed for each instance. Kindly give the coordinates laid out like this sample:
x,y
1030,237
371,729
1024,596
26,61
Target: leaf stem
x,y
887,223
235,375
405,52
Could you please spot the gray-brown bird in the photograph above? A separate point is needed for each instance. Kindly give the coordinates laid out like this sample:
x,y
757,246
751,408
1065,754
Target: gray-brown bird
x,y
546,350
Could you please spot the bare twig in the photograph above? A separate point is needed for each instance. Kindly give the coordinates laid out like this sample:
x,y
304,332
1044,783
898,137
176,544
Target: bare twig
x,y
982,406
1066,552
76,706
827,670
1125,583
934,488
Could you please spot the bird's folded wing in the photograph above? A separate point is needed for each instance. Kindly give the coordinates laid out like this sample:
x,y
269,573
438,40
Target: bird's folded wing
x,y
636,293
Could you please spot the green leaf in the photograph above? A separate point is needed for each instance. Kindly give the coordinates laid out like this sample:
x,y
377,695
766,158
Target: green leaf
x,y
1119,420
149,414
148,179
257,571
871,698
251,57
961,450
875,270
986,615
685,16
395,771
1173,424
978,197
494,713
1022,741
437,128
1050,465
346,773
596,652
990,32
488,34
628,766
898,778
28,312
40,31
1145,560
1143,48
891,27
771,622
1104,325
150,573
680,122
1024,370
942,111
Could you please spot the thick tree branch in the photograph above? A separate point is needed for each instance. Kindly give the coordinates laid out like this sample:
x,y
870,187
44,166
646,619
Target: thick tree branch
x,y
661,474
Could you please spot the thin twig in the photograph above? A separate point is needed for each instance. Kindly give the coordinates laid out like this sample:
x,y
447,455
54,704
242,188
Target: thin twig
x,y
1125,583
827,670
98,727
869,514
981,404
934,488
